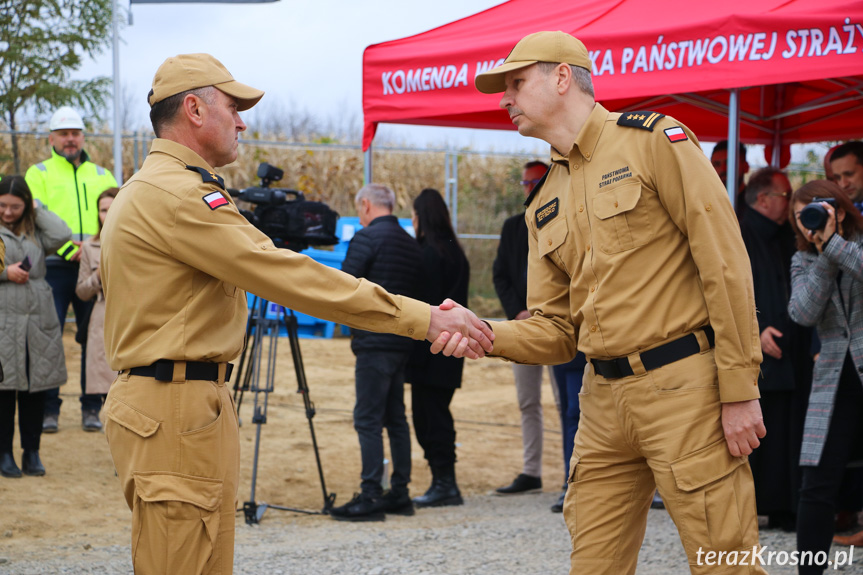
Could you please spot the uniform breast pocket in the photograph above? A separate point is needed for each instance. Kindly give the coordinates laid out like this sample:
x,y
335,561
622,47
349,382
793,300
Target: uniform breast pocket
x,y
550,238
621,222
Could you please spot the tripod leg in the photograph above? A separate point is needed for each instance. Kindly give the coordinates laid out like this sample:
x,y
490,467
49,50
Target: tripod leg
x,y
303,389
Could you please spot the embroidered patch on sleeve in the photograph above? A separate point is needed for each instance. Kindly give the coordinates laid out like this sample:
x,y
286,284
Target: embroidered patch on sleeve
x,y
547,213
215,200
676,134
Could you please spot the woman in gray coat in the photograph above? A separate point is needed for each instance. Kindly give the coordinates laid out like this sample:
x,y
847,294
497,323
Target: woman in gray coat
x,y
827,292
31,347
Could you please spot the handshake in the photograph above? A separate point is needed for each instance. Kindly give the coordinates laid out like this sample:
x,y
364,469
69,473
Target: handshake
x,y
456,331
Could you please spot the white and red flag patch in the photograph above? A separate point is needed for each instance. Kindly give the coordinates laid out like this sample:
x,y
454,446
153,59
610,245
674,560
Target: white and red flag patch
x,y
215,200
676,134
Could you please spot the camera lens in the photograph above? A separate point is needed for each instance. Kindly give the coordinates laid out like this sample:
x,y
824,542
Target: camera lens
x,y
813,217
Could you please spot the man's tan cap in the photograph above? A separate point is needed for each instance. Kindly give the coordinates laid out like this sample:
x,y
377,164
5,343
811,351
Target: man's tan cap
x,y
558,47
190,71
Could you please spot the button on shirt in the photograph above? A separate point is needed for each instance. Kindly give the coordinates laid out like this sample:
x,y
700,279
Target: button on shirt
x,y
174,272
643,248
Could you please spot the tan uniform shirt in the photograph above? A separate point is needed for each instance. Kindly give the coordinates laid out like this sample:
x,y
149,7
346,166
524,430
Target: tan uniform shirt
x,y
174,267
634,244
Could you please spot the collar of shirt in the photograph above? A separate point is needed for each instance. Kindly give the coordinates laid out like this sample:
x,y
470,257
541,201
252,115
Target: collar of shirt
x,y
181,152
587,138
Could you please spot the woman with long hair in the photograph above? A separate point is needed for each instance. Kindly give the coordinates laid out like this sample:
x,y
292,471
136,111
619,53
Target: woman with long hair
x,y
31,346
827,292
89,286
434,378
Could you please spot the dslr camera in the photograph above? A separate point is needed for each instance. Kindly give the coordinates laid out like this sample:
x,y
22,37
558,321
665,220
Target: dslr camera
x,y
285,215
814,216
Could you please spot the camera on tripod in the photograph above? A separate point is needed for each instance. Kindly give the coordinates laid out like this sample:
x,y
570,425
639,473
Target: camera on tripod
x,y
285,215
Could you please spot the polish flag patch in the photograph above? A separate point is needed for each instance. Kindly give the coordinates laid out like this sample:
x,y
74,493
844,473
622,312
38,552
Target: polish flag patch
x,y
215,200
676,134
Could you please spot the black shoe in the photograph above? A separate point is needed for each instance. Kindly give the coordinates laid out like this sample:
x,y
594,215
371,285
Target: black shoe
x,y
522,484
49,423
89,421
397,503
443,492
657,502
557,507
31,463
361,508
8,467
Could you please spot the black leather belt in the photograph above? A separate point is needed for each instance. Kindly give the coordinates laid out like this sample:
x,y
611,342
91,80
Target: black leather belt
x,y
653,358
163,370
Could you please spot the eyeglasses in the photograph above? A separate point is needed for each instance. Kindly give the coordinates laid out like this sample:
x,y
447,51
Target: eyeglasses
x,y
529,182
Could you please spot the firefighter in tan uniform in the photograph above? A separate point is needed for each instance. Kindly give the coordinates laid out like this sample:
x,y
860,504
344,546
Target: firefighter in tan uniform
x,y
176,259
636,260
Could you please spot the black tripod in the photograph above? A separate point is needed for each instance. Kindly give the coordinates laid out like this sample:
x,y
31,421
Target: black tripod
x,y
249,378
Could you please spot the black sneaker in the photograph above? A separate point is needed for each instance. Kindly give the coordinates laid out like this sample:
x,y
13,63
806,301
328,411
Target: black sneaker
x,y
49,423
361,508
522,484
397,503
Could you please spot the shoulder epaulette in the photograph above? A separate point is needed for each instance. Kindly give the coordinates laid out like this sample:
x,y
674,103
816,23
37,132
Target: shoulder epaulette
x,y
536,188
208,176
643,120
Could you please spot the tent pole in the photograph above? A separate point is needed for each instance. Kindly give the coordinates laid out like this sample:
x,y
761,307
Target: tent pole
x,y
118,136
777,126
733,143
367,165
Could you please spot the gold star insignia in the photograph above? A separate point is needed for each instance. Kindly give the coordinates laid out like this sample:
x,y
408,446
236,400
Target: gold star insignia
x,y
629,117
641,117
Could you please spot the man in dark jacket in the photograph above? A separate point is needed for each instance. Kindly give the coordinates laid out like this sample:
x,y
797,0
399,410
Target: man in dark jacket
x,y
383,253
786,370
510,283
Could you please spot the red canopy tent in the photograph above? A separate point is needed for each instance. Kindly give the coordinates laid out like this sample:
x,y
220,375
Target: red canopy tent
x,y
798,65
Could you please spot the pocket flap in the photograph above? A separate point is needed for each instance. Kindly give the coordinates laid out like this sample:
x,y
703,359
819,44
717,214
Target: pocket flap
x,y
152,486
613,202
551,237
131,418
704,466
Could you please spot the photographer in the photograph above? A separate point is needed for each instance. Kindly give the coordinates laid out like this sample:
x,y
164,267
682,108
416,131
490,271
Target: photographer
x,y
827,292
176,258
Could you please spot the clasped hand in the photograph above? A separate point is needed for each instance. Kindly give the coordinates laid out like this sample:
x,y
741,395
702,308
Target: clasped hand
x,y
16,274
456,331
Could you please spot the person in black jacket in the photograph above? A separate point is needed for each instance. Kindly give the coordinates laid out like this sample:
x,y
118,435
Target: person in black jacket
x,y
786,371
383,253
510,282
434,378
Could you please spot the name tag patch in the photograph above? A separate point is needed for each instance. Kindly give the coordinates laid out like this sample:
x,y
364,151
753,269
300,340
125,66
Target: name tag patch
x,y
547,213
676,134
215,200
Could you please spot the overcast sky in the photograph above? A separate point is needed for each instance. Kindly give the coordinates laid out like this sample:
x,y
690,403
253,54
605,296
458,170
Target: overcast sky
x,y
306,54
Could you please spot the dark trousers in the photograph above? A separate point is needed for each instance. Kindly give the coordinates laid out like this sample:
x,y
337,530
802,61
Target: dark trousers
x,y
380,389
818,494
30,409
434,425
568,378
62,277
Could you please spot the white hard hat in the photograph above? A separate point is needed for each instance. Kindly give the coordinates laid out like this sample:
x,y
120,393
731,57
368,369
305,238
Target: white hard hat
x,y
65,118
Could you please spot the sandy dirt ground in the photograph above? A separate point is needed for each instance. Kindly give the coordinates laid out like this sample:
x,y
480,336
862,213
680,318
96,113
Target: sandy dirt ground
x,y
78,503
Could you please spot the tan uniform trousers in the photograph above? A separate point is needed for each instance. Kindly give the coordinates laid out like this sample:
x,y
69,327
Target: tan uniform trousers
x,y
658,429
176,450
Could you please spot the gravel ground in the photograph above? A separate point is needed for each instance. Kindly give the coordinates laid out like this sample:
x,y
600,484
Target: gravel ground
x,y
487,536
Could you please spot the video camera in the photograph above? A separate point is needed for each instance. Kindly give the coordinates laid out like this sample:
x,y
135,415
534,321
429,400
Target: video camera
x,y
814,216
285,215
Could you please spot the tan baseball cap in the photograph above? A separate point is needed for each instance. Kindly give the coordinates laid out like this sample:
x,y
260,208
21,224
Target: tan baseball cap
x,y
190,71
558,47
